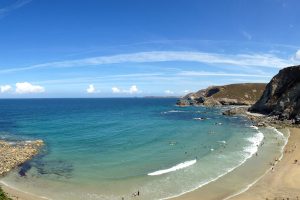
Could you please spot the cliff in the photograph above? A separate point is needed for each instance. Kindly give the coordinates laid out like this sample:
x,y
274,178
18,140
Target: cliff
x,y
234,94
281,97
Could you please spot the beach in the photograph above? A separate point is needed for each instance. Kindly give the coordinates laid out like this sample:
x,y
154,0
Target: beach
x,y
284,181
19,195
281,183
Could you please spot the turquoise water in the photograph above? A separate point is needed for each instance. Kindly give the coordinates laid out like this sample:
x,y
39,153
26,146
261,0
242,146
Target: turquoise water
x,y
112,148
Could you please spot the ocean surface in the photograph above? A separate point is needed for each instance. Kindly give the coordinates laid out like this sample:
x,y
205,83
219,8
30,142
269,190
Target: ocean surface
x,y
113,148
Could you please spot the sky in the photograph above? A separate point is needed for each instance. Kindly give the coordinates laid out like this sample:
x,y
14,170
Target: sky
x,y
129,48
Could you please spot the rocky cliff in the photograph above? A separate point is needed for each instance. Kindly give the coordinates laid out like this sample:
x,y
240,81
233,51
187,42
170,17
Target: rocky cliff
x,y
234,94
281,97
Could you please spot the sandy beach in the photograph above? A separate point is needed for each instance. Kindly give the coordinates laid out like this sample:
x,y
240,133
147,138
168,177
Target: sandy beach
x,y
284,181
19,195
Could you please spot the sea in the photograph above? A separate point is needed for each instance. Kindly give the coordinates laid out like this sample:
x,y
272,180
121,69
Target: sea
x,y
127,148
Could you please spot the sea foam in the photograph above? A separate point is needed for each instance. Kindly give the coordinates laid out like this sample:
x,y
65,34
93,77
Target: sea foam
x,y
174,168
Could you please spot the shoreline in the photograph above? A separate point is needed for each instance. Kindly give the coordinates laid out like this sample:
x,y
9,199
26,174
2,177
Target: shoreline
x,y
284,181
17,194
259,189
268,186
12,155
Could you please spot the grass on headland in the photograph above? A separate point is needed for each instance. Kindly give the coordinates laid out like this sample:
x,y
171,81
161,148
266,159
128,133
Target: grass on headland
x,y
3,196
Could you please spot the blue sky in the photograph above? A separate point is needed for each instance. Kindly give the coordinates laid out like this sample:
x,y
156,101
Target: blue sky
x,y
112,48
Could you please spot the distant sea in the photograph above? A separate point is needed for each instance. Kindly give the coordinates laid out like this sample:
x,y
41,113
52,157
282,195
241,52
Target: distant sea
x,y
113,148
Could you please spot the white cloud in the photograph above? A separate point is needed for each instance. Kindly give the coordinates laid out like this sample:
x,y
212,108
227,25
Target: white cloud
x,y
5,88
133,89
186,91
25,87
297,55
257,60
115,90
169,92
91,89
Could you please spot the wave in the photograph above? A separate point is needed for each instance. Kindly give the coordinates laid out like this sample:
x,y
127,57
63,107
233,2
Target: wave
x,y
173,111
254,127
253,183
174,168
199,118
255,142
250,151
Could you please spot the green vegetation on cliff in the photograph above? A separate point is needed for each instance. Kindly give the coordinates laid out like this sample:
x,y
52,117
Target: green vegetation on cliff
x,y
233,94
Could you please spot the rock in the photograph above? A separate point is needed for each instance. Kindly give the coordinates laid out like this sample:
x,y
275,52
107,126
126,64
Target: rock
x,y
235,111
281,97
184,102
297,119
211,102
15,154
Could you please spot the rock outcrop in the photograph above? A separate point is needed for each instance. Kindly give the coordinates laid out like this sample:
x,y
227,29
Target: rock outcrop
x,y
281,97
15,154
234,94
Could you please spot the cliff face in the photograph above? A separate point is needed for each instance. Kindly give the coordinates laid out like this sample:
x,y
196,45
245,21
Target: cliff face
x,y
234,94
282,95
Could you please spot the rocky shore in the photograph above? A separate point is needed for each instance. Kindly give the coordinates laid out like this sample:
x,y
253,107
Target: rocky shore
x,y
260,120
279,105
13,154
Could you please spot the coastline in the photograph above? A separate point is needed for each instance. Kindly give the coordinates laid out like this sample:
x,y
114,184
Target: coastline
x,y
12,155
16,194
282,182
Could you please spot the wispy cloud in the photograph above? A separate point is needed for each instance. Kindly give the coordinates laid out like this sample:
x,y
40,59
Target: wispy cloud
x,y
17,4
203,73
153,78
247,35
257,60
